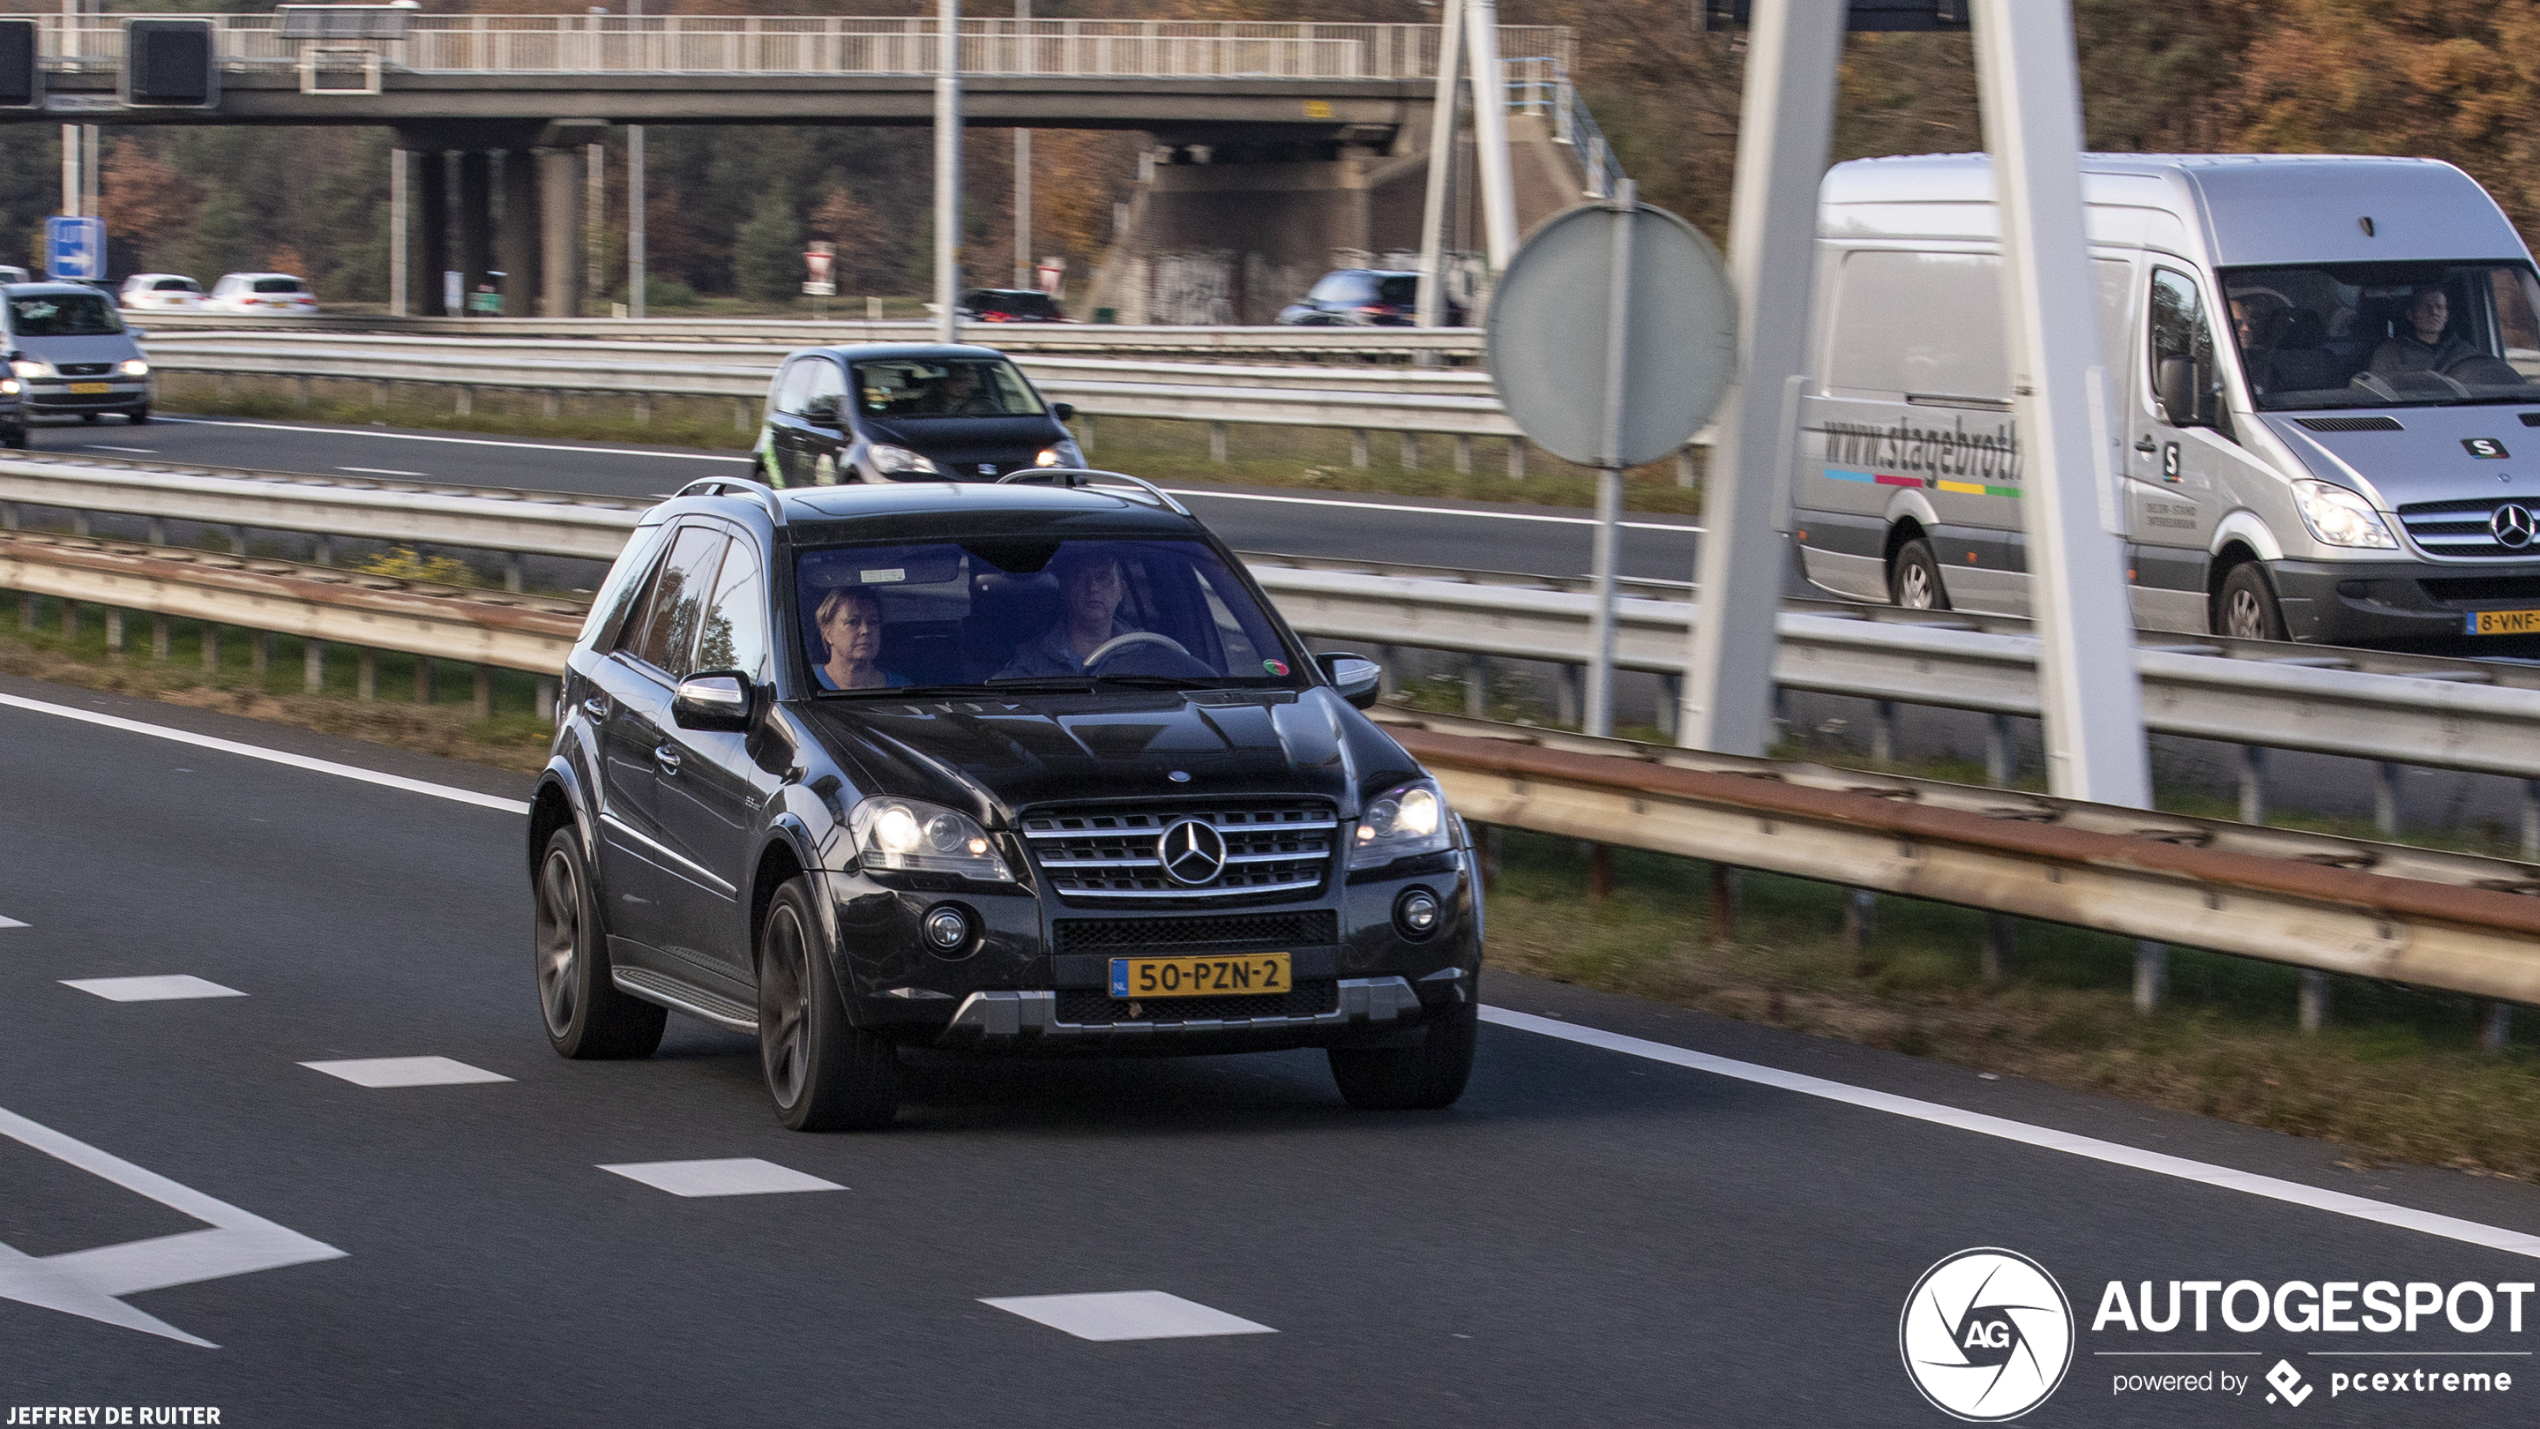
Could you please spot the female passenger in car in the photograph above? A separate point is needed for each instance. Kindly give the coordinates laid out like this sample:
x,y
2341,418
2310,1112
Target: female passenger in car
x,y
849,622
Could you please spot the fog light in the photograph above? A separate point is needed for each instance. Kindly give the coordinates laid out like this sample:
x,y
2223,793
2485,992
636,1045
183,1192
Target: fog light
x,y
947,929
1416,913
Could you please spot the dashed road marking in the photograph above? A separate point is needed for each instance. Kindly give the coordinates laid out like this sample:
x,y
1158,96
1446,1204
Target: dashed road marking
x,y
380,471
1127,1315
405,1072
11,923
102,447
168,988
736,1176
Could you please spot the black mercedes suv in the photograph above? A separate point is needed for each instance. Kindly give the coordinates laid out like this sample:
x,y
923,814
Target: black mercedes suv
x,y
1024,767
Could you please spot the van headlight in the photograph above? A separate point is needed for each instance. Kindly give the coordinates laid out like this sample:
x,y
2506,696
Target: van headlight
x,y
9,387
914,836
1409,819
31,367
899,461
134,367
2339,517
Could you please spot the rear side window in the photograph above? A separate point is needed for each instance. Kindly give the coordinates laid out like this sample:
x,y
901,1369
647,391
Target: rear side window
x,y
735,630
622,594
175,285
1402,292
666,637
1342,288
1929,324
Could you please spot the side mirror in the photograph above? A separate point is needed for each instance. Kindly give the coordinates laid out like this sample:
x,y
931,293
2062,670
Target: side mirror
x,y
822,411
719,699
137,333
1064,411
1357,678
2185,389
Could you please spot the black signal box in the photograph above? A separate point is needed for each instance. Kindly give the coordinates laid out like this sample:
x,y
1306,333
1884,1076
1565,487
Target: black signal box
x,y
1866,14
170,64
21,78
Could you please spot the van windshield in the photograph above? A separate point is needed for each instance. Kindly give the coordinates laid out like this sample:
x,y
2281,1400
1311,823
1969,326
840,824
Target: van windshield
x,y
1025,612
63,315
2386,334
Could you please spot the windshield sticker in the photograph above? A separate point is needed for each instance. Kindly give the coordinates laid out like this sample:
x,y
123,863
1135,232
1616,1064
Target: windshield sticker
x,y
892,576
1275,667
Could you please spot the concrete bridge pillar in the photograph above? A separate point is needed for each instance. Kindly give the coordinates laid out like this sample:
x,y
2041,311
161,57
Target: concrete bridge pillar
x,y
560,237
431,232
518,239
476,217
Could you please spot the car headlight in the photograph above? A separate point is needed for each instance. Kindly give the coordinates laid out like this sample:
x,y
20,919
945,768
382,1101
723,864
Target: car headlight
x,y
2340,517
899,461
134,367
1049,457
915,836
9,387
1409,819
30,367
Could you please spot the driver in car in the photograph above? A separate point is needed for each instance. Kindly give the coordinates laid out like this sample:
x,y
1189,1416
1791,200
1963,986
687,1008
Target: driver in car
x,y
1090,588
2428,344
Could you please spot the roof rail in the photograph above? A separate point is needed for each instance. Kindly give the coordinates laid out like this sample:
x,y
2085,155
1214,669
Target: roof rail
x,y
721,485
1075,477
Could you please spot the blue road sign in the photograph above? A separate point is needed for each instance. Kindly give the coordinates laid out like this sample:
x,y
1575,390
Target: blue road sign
x,y
75,247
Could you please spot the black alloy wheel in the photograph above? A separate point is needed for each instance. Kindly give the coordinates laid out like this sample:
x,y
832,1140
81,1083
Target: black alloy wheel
x,y
1422,1078
2245,608
1913,578
585,1014
824,1073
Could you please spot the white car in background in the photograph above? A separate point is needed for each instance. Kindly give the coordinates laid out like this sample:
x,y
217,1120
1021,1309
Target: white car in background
x,y
9,274
165,292
268,294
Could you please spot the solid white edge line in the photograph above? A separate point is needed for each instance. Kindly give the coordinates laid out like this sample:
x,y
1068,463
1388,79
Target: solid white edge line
x,y
1420,510
272,756
454,441
2047,1138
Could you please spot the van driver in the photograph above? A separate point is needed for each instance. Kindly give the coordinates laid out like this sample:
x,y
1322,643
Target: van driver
x,y
1090,588
2427,344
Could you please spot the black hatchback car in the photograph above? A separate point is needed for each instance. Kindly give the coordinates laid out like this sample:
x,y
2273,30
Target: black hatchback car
x,y
907,412
1030,767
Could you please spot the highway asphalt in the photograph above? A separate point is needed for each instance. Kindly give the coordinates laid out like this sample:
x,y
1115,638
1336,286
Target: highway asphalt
x,y
1418,531
1598,1234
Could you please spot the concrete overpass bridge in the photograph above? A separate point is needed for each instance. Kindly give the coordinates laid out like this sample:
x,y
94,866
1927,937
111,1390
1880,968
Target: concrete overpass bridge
x,y
1313,133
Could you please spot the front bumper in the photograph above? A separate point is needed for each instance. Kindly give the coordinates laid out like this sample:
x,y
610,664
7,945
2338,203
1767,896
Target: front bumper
x,y
1010,1019
2371,603
55,394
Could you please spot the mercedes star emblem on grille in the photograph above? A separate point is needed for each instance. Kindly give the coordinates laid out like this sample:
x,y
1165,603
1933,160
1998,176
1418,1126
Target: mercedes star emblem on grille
x,y
2512,525
1192,852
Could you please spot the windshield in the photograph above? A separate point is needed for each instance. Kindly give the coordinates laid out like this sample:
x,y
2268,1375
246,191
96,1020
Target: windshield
x,y
2386,334
1033,613
278,285
900,387
63,315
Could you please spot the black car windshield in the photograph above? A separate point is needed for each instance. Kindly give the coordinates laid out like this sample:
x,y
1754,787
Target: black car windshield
x,y
2330,335
63,315
901,387
1033,613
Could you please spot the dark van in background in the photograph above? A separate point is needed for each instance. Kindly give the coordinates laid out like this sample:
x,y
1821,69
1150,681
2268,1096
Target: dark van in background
x,y
907,412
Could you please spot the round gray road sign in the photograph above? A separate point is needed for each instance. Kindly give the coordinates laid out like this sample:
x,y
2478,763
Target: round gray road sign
x,y
1548,336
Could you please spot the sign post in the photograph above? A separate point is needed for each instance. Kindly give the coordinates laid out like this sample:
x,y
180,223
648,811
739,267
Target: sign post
x,y
1611,338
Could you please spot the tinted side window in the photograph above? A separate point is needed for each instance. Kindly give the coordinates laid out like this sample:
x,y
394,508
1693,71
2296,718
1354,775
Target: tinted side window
x,y
622,594
667,637
825,388
792,386
735,630
2178,320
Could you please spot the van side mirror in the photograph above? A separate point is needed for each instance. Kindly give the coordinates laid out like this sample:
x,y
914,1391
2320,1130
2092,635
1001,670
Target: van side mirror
x,y
1064,411
2185,388
716,699
1356,678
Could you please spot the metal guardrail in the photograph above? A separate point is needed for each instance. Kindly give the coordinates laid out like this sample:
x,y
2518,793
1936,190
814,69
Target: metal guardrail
x,y
2453,922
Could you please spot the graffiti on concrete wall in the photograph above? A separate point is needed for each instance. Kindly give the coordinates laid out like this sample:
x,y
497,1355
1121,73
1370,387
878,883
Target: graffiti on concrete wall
x,y
1192,289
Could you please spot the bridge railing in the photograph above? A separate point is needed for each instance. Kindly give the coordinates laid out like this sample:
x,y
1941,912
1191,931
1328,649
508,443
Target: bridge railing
x,y
784,44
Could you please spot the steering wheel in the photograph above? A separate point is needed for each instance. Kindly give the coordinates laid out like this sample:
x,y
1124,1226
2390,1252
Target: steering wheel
x,y
1118,643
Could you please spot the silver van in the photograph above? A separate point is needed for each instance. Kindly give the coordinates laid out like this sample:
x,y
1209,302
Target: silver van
x,y
68,347
2318,383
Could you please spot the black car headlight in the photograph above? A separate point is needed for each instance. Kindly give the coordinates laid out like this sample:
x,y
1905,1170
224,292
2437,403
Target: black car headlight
x,y
1409,819
911,835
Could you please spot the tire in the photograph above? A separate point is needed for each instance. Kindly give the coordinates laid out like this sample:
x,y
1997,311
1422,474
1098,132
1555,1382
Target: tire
x,y
15,439
1913,578
824,1073
1422,1078
138,416
586,1017
2245,607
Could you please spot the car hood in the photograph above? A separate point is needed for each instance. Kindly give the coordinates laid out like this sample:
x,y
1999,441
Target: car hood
x,y
1000,756
2428,459
105,347
962,444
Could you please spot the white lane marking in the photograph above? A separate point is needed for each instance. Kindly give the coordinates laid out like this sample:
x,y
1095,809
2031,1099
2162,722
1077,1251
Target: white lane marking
x,y
170,988
456,441
405,1072
380,471
102,447
2048,1138
11,923
1345,504
89,1282
273,756
736,1176
1127,1315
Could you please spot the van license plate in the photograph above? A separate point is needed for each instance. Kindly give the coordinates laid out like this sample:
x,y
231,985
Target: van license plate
x,y
2504,622
88,388
1249,973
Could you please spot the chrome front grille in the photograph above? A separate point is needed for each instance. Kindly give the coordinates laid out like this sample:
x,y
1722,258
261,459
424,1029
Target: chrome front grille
x,y
2468,528
1116,854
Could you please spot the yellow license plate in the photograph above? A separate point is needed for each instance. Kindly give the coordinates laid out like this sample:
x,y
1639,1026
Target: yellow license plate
x,y
2504,622
1252,973
85,388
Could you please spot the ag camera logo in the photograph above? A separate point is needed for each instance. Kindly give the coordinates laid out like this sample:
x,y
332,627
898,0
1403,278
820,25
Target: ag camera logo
x,y
1986,1335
